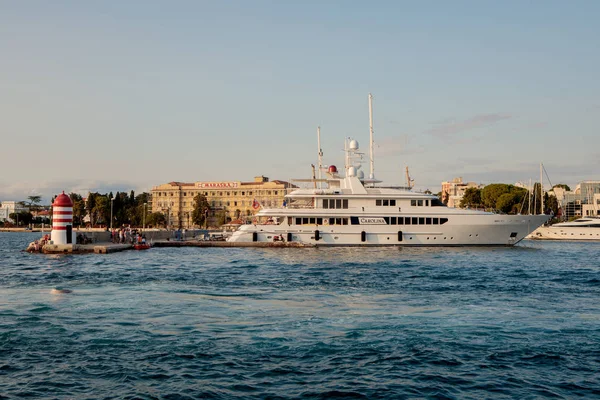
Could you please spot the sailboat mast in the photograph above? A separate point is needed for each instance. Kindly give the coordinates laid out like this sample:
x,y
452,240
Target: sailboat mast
x,y
529,196
320,153
542,188
372,174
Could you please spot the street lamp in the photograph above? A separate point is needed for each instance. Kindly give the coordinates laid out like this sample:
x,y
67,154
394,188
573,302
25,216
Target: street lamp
x,y
144,219
111,212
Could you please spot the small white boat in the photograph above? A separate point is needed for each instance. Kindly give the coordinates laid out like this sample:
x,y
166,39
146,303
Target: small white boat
x,y
587,228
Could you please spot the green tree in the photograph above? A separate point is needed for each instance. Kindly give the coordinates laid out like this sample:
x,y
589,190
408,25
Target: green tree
x,y
201,210
562,185
78,208
491,193
551,203
21,218
471,198
90,207
102,210
506,202
33,203
156,219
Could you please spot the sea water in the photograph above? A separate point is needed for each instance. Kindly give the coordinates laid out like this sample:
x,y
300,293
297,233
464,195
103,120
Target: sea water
x,y
170,323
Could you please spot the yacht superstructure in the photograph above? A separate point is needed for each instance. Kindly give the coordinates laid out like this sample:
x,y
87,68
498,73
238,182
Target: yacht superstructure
x,y
351,210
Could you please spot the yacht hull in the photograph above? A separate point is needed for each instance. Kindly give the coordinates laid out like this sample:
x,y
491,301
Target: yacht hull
x,y
468,230
565,233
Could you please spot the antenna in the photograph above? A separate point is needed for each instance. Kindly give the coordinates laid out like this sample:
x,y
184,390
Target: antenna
x,y
541,188
372,174
320,153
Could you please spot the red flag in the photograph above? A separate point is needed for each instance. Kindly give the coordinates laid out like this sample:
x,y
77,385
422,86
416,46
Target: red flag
x,y
255,204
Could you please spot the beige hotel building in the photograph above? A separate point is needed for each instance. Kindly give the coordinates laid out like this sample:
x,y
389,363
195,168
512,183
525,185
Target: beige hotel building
x,y
176,199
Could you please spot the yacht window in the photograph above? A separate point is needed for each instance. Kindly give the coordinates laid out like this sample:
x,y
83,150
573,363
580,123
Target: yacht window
x,y
426,203
421,221
312,221
436,221
415,220
331,221
319,221
345,203
344,221
378,202
386,203
400,221
443,220
325,203
393,203
407,221
437,203
393,221
338,203
289,220
338,221
428,221
304,221
420,203
413,203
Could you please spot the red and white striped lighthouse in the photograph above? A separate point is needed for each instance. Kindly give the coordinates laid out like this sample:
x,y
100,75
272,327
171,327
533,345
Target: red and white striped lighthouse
x,y
62,220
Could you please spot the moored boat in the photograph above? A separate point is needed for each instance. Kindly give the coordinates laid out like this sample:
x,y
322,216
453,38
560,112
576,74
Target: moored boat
x,y
351,210
587,228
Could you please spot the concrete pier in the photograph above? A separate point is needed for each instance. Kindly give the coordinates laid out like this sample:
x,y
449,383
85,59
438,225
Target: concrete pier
x,y
107,248
98,248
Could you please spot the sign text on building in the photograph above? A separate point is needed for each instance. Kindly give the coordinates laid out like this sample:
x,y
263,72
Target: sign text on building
x,y
217,185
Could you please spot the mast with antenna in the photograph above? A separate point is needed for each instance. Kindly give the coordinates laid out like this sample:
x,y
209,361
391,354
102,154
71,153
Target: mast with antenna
x,y
320,153
372,174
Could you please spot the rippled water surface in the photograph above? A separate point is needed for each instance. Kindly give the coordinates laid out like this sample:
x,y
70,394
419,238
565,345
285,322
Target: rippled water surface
x,y
464,323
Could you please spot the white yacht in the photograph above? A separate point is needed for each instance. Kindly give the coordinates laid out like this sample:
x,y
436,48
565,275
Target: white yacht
x,y
349,210
587,228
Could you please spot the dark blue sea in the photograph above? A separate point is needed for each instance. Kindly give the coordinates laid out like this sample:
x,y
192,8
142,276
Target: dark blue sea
x,y
402,323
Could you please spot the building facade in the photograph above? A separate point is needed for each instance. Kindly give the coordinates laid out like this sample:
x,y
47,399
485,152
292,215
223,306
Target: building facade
x,y
10,207
584,201
230,200
454,190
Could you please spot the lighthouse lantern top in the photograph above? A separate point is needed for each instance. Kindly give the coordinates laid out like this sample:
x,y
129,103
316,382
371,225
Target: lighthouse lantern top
x,y
62,200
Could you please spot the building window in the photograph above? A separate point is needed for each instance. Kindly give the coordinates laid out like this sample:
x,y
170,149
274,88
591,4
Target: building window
x,y
275,192
243,193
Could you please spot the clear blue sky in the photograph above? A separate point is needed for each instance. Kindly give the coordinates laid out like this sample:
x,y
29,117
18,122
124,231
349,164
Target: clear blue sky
x,y
113,95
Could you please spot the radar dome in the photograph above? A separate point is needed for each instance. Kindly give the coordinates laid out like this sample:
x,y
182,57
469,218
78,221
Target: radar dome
x,y
332,169
353,145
